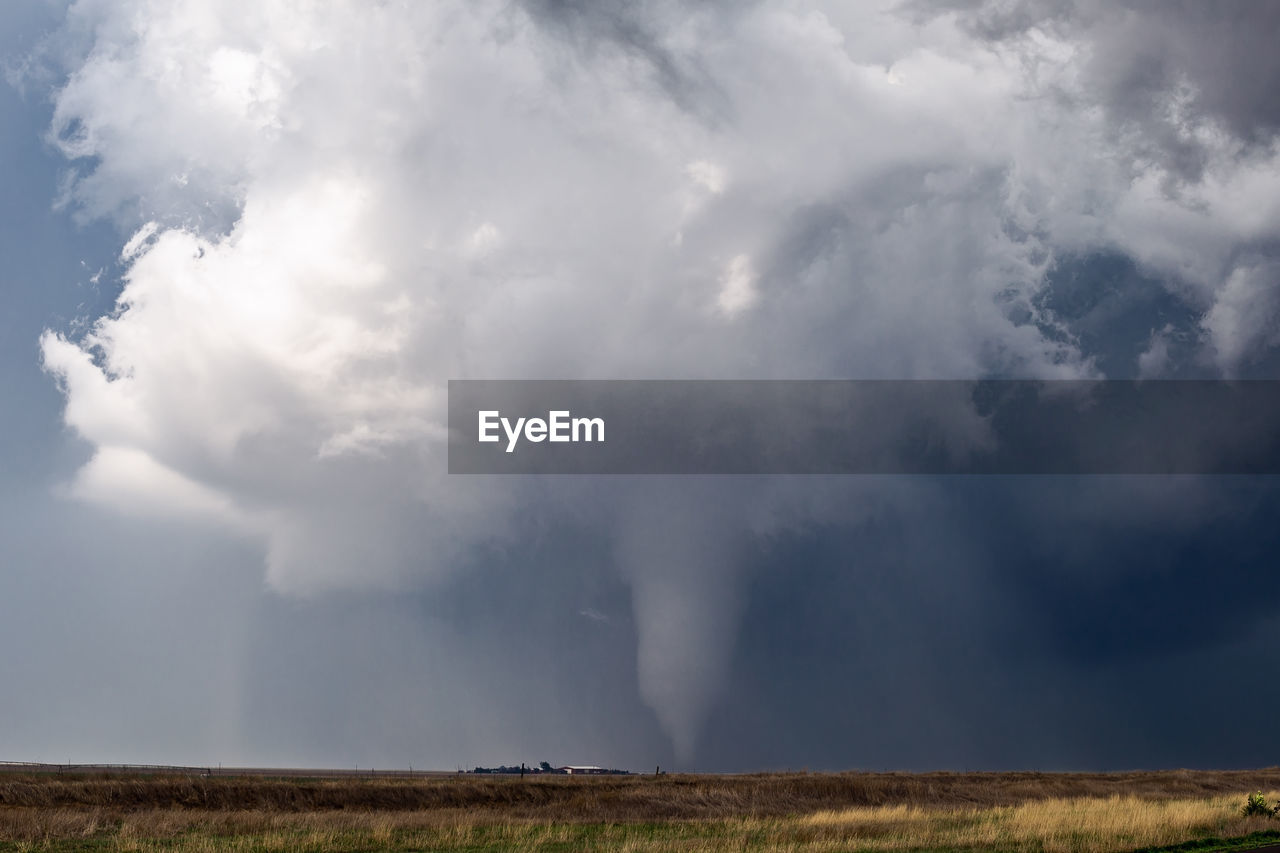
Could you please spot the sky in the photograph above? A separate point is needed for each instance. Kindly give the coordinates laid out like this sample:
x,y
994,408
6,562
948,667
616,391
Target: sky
x,y
244,250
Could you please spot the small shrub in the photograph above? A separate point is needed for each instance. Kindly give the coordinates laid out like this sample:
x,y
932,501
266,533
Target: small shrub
x,y
1256,804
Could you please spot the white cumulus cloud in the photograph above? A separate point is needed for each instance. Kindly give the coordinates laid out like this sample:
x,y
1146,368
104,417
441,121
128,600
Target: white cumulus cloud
x,y
339,206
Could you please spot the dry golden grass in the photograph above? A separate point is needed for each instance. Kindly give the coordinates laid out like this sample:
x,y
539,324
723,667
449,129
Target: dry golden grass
x,y
814,813
1072,824
615,798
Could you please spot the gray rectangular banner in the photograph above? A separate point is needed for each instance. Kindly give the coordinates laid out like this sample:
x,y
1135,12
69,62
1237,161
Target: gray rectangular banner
x,y
863,427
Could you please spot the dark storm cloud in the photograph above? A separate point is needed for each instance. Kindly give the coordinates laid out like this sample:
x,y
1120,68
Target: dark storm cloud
x,y
528,655
1014,623
1120,568
836,195
1225,49
1188,91
993,20
642,30
1163,68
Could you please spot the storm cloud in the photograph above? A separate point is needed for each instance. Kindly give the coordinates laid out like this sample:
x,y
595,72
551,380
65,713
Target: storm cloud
x,y
326,212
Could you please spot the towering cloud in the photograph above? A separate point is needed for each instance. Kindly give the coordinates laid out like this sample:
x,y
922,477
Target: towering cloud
x,y
337,206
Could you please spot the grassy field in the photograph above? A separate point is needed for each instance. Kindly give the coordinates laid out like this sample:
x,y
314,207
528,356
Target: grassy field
x,y
768,812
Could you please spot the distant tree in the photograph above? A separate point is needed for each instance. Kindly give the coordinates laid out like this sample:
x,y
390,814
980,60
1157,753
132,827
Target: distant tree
x,y
545,766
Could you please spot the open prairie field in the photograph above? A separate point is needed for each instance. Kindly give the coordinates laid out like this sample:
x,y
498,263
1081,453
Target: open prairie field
x,y
765,812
